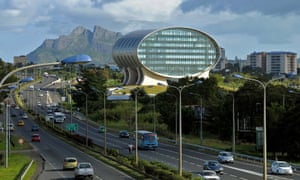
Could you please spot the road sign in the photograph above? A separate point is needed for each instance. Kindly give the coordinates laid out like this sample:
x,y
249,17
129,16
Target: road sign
x,y
72,126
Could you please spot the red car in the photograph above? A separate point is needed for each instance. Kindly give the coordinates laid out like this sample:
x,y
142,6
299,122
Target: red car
x,y
35,138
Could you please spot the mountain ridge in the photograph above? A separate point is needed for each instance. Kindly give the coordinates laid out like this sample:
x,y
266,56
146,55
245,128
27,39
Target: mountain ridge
x,y
97,44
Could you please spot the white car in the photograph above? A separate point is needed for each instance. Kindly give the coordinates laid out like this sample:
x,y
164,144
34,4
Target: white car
x,y
84,170
209,175
281,167
24,116
49,117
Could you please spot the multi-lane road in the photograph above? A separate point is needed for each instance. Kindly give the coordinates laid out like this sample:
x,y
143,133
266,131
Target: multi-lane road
x,y
55,150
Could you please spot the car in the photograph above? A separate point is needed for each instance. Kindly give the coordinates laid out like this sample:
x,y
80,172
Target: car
x,y
24,116
35,138
209,175
84,170
281,167
49,117
21,123
101,129
34,127
124,134
70,163
225,157
11,127
41,95
214,166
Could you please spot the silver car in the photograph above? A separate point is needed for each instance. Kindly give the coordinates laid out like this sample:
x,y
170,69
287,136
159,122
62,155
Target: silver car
x,y
209,175
225,157
281,167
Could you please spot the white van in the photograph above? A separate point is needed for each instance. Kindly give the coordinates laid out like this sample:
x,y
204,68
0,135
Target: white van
x,y
59,117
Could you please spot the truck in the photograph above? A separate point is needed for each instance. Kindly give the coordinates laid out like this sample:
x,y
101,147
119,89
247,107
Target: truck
x,y
59,117
84,170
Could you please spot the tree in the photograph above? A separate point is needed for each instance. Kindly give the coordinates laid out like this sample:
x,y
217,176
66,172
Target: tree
x,y
92,84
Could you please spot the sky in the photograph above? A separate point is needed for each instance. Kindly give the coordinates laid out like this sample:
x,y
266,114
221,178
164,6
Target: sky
x,y
239,26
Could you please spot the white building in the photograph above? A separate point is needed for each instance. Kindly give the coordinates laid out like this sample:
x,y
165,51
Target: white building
x,y
275,62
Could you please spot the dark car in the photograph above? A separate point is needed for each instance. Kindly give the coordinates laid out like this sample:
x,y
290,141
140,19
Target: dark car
x,y
34,127
214,166
124,134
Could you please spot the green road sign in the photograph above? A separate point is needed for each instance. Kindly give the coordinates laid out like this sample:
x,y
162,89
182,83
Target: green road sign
x,y
71,126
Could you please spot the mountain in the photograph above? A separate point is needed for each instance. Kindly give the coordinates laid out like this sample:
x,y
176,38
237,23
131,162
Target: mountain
x,y
97,44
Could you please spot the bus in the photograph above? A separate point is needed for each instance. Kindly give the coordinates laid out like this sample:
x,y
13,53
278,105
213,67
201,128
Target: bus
x,y
147,140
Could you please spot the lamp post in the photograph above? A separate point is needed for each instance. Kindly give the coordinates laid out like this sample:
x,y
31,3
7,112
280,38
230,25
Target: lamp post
x,y
264,85
7,130
180,89
104,114
136,128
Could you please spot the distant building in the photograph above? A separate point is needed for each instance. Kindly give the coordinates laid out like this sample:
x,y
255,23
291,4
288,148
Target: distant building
x,y
20,61
222,62
148,57
274,62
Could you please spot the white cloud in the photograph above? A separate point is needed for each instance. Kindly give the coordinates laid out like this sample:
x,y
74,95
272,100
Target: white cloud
x,y
141,10
239,29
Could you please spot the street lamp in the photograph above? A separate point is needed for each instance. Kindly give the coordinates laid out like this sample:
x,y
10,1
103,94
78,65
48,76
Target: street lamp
x,y
7,130
264,85
104,109
136,126
180,89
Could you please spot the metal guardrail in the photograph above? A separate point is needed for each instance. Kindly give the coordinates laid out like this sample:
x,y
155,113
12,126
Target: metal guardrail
x,y
238,155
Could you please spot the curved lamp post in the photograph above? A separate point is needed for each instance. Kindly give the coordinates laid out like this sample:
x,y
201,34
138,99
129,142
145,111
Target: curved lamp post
x,y
264,85
180,89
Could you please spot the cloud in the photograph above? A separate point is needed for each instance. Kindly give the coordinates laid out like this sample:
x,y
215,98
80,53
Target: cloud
x,y
233,23
141,10
267,7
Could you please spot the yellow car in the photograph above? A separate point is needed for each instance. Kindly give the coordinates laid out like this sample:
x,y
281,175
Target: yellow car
x,y
70,163
21,123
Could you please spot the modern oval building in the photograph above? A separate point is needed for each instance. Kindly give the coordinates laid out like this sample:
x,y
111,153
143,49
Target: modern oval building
x,y
148,57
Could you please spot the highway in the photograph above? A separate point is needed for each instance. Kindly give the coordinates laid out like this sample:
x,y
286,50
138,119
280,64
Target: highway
x,y
166,153
54,150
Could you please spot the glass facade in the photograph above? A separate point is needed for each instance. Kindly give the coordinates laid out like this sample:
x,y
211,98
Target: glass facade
x,y
174,52
178,52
